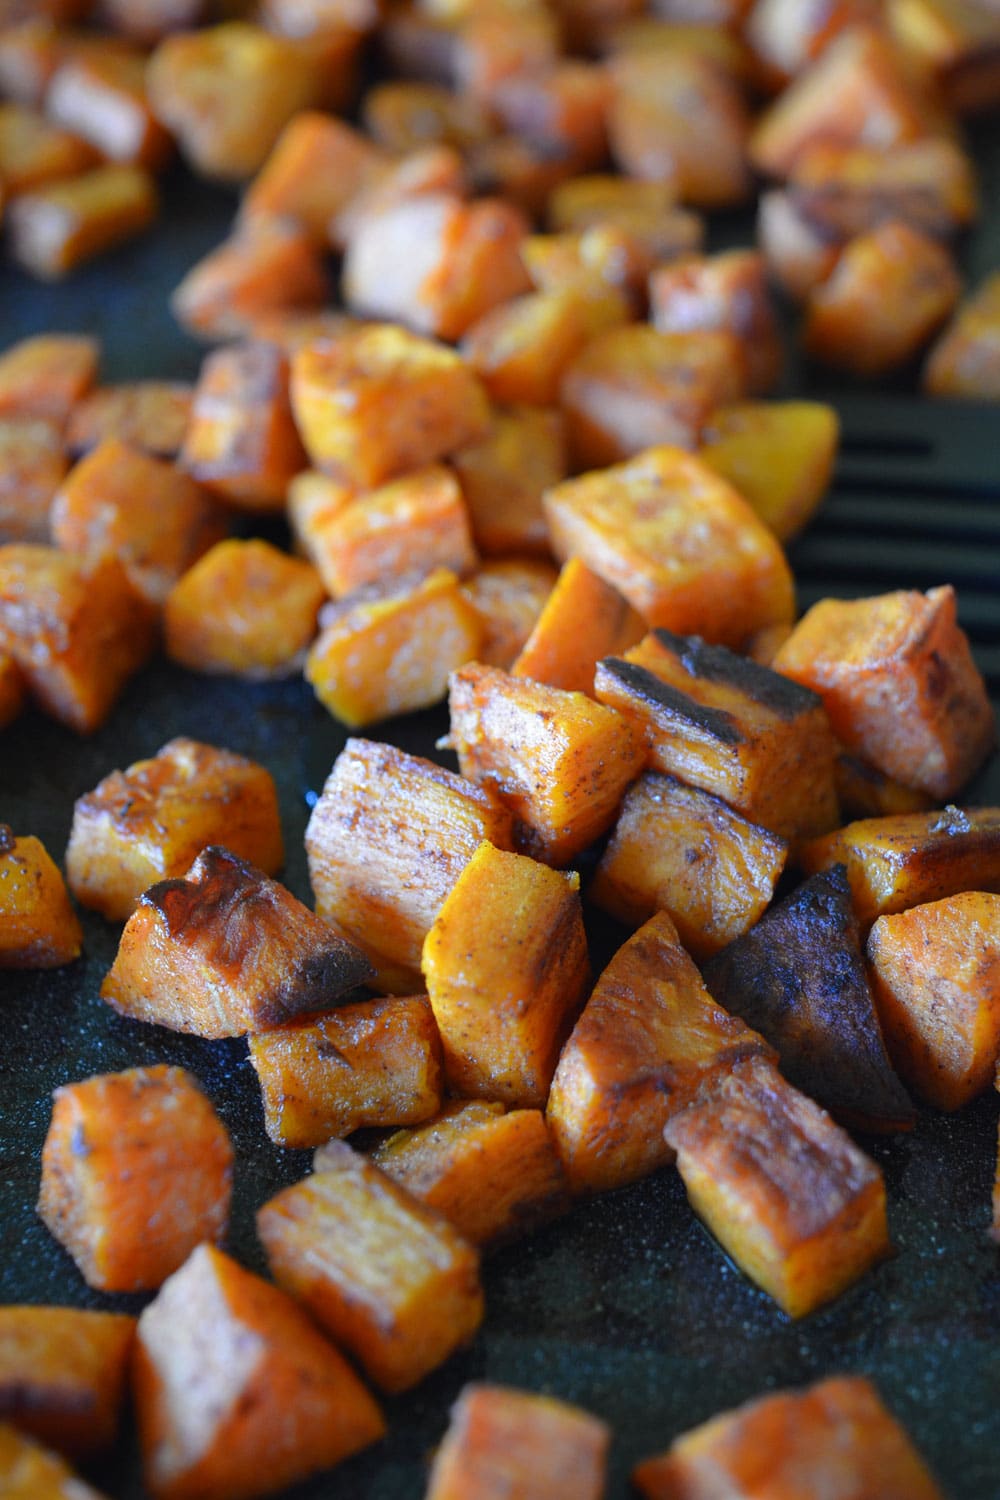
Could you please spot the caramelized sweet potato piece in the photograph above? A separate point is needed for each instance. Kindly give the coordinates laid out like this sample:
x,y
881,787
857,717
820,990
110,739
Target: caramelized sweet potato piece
x,y
432,171
503,1442
561,110
30,1472
619,252
63,1375
835,1436
150,822
76,628
39,929
380,401
32,467
799,255
390,1280
47,375
682,546
898,682
936,978
317,165
583,620
679,850
506,968
648,1041
136,1171
151,415
55,228
236,1392
521,349
246,609
386,841
504,475
847,190
726,292
101,97
778,454
376,1063
906,859
799,977
509,595
268,266
965,361
445,1162
785,1190
387,652
225,951
34,152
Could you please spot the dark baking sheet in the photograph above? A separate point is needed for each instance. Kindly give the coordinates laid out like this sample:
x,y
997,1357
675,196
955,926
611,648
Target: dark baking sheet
x,y
626,1306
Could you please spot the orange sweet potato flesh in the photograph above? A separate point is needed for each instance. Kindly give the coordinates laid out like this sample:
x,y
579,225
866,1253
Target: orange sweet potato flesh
x,y
936,980
503,1443
584,619
32,467
779,455
33,151
102,98
506,969
965,361
835,1437
225,951
268,266
504,475
47,375
316,167
55,228
40,928
864,792
237,1394
377,1063
29,1470
522,348
728,291
393,1283
650,1038
136,1171
148,414
786,1192
63,1375
509,594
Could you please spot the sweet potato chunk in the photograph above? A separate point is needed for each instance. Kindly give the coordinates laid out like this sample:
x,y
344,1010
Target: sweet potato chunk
x,y
848,190
136,1171
508,594
785,1190
404,115
898,682
150,822
617,253
225,951
679,850
506,968
503,1442
521,349
30,1472
55,228
32,467
965,361
33,151
376,1063
726,292
649,1040
788,35
246,609
152,517
388,838
799,255
219,1354
956,42
557,760
682,546
907,859
390,1280
799,977
583,620
936,976
445,1162
47,375
561,110
504,475
432,171
101,97
317,165
865,792
63,1375
265,267
835,1437
76,628
151,415
39,928
778,454
380,401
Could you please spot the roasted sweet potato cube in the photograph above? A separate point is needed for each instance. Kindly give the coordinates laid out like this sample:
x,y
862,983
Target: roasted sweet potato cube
x,y
377,1063
207,1419
431,171
436,263
509,595
388,838
393,1282
679,850
26,1468
55,228
47,375
224,951
502,1441
719,721
495,43
634,386
504,475
136,1171
76,627
521,349
506,969
31,48
13,692
583,620
34,152
387,652
682,546
63,1375
785,1191
965,361
678,117
787,35
898,682
799,977
227,93
32,467
151,821
101,97
726,292
246,609
380,401
445,1162
556,759
317,165
269,265
404,115
936,978
153,518
561,110
799,255
864,792
778,454
39,928
889,292
835,1435
620,251
847,190
649,1040
151,415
